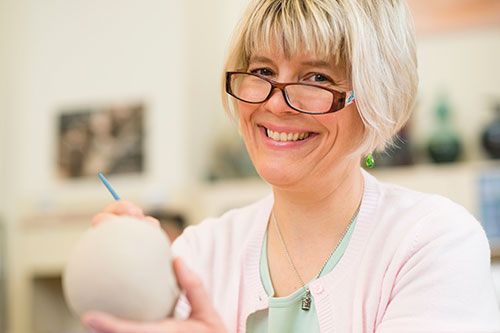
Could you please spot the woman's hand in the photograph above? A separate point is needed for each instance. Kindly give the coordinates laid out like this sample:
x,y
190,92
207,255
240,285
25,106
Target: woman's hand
x,y
203,317
122,207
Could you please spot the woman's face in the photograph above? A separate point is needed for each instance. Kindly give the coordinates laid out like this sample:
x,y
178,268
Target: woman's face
x,y
329,138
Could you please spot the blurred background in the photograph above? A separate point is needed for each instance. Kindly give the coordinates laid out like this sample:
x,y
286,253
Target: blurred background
x,y
131,89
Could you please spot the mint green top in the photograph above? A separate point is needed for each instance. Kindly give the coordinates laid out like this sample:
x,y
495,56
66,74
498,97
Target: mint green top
x,y
285,313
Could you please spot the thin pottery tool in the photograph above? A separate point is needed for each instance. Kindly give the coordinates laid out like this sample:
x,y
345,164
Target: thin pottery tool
x,y
108,186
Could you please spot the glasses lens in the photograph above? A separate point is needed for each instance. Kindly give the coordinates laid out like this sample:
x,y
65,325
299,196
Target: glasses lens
x,y
250,88
309,98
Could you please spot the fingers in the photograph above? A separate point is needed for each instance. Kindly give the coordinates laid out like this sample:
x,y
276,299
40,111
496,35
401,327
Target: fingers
x,y
152,220
201,305
203,318
102,217
102,322
122,207
105,323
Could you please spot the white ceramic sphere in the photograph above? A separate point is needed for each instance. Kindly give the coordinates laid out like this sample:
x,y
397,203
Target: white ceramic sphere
x,y
122,267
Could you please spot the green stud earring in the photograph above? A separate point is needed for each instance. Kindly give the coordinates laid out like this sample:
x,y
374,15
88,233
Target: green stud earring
x,y
370,162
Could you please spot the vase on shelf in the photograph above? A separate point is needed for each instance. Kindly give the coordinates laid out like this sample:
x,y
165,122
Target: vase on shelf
x,y
399,154
491,135
444,145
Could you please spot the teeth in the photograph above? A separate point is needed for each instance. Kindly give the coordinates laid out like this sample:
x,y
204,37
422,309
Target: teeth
x,y
277,136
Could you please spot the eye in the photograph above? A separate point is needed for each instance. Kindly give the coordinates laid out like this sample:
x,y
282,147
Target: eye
x,y
262,71
320,78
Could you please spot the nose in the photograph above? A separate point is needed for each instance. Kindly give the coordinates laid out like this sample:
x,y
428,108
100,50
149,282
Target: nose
x,y
277,103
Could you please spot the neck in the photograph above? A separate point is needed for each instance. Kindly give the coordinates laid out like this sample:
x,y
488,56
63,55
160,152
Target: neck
x,y
322,209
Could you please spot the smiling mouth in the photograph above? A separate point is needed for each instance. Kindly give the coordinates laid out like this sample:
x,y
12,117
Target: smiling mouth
x,y
284,137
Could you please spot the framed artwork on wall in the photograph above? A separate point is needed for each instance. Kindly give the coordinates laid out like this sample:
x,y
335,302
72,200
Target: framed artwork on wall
x,y
107,139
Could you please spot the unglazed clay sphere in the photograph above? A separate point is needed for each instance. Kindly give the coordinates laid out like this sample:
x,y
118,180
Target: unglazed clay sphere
x,y
122,267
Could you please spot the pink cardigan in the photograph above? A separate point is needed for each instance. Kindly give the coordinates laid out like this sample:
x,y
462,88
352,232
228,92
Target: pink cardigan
x,y
415,263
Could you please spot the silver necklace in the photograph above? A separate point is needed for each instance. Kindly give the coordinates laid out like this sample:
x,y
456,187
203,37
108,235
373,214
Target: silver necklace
x,y
306,300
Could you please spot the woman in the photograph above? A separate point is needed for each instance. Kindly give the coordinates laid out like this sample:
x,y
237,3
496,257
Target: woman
x,y
315,86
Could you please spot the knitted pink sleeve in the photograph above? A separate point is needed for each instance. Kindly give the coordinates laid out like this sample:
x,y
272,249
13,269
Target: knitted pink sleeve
x,y
444,284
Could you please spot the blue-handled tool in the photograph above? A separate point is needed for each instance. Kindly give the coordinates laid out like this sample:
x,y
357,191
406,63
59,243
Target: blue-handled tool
x,y
106,183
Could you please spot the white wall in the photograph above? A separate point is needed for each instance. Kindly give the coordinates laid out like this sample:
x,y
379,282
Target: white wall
x,y
3,160
3,96
209,31
67,54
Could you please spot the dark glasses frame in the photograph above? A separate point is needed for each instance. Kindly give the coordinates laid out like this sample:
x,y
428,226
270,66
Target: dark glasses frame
x,y
338,102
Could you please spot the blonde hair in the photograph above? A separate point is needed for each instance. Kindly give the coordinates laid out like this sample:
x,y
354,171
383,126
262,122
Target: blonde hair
x,y
374,41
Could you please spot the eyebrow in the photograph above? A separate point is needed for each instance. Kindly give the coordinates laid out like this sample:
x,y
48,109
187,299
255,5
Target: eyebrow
x,y
312,63
317,63
261,59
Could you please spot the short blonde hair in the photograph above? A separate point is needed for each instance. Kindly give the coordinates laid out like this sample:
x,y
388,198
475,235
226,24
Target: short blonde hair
x,y
374,41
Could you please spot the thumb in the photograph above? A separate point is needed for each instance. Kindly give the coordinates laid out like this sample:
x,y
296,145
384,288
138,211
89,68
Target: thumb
x,y
190,282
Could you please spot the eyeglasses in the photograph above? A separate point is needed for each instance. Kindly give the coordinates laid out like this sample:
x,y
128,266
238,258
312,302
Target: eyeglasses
x,y
302,97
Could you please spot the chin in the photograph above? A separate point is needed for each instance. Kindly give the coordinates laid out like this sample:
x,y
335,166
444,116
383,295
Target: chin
x,y
276,175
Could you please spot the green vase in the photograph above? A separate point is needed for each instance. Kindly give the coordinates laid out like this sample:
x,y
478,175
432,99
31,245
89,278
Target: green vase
x,y
444,144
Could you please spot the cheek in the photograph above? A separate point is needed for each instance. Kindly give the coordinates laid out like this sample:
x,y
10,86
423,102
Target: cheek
x,y
331,123
245,126
246,115
245,111
356,123
350,127
345,127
